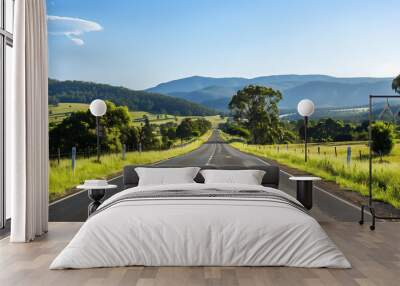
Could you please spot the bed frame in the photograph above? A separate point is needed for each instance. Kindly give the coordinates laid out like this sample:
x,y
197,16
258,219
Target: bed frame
x,y
270,179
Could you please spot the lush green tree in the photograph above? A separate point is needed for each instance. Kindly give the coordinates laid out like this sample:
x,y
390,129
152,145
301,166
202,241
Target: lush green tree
x,y
396,84
235,130
116,116
196,133
79,130
288,136
130,137
168,130
382,138
185,129
163,130
201,125
166,143
328,130
157,144
171,133
148,138
111,123
256,108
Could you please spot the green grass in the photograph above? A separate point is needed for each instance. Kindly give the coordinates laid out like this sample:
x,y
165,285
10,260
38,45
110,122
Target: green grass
x,y
58,113
63,180
68,107
214,119
325,164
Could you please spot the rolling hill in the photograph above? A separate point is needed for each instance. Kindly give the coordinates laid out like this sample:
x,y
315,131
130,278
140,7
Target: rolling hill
x,y
324,90
335,94
85,92
209,93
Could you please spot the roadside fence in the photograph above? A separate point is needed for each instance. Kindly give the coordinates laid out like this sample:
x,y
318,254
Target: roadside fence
x,y
88,153
348,151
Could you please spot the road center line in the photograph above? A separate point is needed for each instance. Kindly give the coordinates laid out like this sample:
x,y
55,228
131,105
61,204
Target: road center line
x,y
212,155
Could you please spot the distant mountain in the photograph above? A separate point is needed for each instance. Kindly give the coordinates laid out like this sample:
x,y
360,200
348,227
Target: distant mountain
x,y
335,94
196,83
355,113
85,92
206,94
219,104
326,91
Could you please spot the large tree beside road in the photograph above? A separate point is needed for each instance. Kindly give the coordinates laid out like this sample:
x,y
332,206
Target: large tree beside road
x,y
256,108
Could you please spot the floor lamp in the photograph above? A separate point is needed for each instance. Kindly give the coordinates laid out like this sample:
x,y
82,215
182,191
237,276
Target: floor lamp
x,y
98,108
305,108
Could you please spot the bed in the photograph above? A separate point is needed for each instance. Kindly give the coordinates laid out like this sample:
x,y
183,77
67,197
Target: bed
x,y
198,224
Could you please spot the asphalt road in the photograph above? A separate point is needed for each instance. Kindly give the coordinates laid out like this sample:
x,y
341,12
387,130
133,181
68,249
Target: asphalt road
x,y
327,207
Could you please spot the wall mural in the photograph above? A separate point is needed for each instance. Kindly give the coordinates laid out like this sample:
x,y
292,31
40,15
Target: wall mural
x,y
171,73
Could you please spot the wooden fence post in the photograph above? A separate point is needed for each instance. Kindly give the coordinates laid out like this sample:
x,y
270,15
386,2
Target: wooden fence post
x,y
58,156
123,151
360,154
348,155
319,150
73,157
335,152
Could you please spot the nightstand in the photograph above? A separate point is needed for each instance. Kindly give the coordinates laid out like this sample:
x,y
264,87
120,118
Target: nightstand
x,y
96,193
304,191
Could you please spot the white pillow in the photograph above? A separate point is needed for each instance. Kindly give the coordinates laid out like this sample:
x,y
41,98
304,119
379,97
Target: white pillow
x,y
166,176
248,177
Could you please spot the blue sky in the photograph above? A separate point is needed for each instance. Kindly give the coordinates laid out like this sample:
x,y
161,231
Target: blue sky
x,y
140,43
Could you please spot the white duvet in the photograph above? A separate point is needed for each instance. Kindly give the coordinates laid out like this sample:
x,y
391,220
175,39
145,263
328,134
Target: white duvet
x,y
200,231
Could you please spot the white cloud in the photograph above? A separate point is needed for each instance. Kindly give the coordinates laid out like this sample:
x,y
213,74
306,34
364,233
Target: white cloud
x,y
73,28
77,41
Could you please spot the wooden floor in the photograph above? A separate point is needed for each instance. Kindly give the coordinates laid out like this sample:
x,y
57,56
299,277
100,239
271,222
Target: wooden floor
x,y
375,257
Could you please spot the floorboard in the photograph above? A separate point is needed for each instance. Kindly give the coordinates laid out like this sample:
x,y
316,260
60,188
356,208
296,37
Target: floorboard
x,y
375,257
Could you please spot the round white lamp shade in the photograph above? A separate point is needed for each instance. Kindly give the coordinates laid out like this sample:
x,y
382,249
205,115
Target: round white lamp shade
x,y
305,107
98,107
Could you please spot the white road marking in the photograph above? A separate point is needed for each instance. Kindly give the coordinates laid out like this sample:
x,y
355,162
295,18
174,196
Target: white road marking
x,y
67,197
212,155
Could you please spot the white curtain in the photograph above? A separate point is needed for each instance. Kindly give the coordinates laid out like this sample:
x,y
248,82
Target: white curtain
x,y
27,124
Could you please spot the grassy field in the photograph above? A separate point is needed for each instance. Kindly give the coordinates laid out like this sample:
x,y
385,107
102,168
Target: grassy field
x,y
62,179
58,113
333,166
164,118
